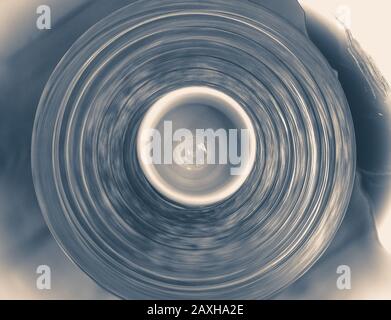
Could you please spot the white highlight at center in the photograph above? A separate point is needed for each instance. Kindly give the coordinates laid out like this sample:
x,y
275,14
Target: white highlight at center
x,y
222,103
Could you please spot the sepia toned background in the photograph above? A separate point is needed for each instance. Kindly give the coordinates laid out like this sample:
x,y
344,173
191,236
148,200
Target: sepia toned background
x,y
27,57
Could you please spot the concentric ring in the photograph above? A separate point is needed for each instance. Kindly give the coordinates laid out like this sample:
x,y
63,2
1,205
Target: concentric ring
x,y
124,234
203,188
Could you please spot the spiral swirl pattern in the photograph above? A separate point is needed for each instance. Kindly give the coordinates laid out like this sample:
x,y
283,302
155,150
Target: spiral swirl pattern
x,y
124,234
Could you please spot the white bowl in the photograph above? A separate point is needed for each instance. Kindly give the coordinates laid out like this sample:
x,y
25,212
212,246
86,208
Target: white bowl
x,y
194,108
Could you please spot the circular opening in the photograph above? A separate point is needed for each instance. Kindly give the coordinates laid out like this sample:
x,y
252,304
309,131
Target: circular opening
x,y
196,146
